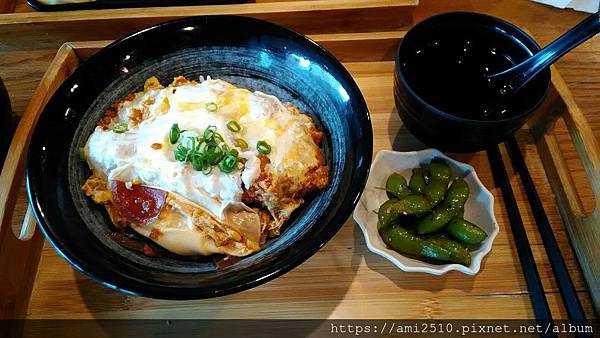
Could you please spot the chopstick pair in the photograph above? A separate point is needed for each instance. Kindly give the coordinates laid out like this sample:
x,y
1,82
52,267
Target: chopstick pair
x,y
559,268
532,278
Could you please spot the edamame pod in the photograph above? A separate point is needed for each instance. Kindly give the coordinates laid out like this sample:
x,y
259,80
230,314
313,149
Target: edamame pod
x,y
434,251
437,187
397,186
435,221
404,242
435,191
460,254
387,212
457,194
417,180
426,173
409,205
465,231
439,170
401,240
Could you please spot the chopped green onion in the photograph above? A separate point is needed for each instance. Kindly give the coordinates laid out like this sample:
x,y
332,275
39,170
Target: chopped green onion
x,y
82,154
194,147
120,128
228,163
209,134
204,152
214,154
174,133
181,153
218,138
233,126
240,143
212,107
198,163
263,147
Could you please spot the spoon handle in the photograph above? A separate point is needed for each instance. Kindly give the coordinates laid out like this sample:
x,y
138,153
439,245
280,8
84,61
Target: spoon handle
x,y
523,72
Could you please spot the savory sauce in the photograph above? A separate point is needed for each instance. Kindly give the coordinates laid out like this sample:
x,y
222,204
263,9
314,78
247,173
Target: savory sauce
x,y
448,70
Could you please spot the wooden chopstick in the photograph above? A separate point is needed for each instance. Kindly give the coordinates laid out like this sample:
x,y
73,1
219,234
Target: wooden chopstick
x,y
532,277
565,284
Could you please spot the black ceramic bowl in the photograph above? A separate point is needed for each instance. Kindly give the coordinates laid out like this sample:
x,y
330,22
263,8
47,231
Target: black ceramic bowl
x,y
247,52
445,131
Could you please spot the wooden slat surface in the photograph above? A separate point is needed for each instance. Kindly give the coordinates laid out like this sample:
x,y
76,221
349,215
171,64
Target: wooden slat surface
x,y
344,280
21,6
348,274
35,30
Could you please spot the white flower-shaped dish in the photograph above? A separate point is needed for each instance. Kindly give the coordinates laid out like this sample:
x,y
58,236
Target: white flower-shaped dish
x,y
479,208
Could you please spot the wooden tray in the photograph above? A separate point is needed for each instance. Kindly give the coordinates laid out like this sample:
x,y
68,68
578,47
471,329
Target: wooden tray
x,y
36,30
343,280
101,4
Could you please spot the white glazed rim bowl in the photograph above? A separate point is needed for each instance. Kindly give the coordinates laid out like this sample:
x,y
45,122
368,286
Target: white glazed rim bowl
x,y
479,208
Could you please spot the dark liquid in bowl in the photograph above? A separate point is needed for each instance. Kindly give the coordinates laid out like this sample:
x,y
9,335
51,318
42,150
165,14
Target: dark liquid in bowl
x,y
448,70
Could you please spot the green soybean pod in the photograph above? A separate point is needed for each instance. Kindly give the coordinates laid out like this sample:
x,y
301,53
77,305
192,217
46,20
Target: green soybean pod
x,y
392,209
435,221
434,251
457,194
404,242
417,181
397,186
465,231
426,173
435,191
388,212
401,240
460,254
439,170
415,204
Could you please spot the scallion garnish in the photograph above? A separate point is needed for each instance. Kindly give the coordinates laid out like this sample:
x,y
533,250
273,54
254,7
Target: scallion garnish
x,y
209,134
198,163
233,126
228,163
211,107
174,133
181,153
204,152
120,128
240,143
213,154
263,147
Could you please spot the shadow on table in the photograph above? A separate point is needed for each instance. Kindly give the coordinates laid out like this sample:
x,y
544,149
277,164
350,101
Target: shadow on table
x,y
403,140
279,298
409,280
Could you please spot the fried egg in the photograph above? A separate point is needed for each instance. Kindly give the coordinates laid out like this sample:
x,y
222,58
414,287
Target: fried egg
x,y
207,212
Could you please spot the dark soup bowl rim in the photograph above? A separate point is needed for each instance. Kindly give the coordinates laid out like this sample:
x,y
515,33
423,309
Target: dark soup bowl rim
x,y
494,22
